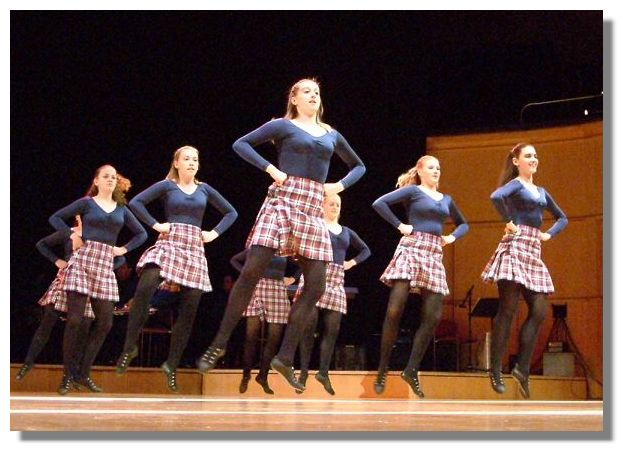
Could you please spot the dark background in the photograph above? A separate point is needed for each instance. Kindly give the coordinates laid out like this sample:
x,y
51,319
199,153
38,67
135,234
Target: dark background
x,y
128,88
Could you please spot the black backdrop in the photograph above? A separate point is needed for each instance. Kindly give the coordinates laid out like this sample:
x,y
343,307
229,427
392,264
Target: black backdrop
x,y
128,88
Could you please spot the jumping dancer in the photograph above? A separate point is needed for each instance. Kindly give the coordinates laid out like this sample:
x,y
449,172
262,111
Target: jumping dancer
x,y
516,265
54,300
417,264
270,304
53,295
332,304
290,221
89,275
178,257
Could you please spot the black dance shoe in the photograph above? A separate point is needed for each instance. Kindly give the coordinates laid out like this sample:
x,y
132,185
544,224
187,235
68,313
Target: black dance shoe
x,y
171,377
379,384
411,378
287,372
23,371
497,382
263,381
124,361
244,382
66,384
323,378
209,359
523,380
302,380
89,384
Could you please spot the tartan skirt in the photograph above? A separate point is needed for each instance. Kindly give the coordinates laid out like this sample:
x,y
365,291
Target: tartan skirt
x,y
518,258
270,301
418,259
334,297
90,272
56,296
180,256
291,221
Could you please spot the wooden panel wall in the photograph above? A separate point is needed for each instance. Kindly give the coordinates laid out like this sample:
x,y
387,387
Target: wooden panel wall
x,y
571,170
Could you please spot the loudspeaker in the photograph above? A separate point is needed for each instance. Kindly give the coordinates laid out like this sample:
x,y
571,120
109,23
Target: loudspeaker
x,y
559,364
559,310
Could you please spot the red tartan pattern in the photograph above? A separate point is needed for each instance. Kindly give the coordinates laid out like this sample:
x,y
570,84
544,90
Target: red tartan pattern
x,y
518,258
334,297
56,296
270,302
419,259
90,272
291,221
181,258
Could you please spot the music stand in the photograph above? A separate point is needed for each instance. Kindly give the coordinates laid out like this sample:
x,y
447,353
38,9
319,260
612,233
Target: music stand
x,y
484,308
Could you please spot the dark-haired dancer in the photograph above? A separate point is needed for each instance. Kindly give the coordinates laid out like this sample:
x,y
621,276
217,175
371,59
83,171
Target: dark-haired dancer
x,y
89,274
270,304
332,304
178,257
516,265
290,221
417,264
55,298
53,295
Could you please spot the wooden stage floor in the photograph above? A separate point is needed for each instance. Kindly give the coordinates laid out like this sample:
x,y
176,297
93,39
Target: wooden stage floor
x,y
82,412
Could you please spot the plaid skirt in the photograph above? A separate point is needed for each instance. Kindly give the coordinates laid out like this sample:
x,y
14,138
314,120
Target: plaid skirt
x,y
518,258
419,259
90,272
334,297
180,256
270,301
56,296
291,221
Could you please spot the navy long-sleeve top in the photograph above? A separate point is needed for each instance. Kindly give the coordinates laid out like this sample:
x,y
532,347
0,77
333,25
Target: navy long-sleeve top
x,y
97,225
276,268
340,243
300,153
425,213
516,203
58,238
183,208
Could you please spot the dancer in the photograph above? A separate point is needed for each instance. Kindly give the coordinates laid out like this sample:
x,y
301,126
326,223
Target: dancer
x,y
270,304
332,304
55,298
178,257
417,264
53,294
89,273
290,220
516,265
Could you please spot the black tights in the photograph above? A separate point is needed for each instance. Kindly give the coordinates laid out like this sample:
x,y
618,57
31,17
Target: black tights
x,y
432,307
331,328
187,310
253,331
255,264
139,311
42,334
537,310
72,340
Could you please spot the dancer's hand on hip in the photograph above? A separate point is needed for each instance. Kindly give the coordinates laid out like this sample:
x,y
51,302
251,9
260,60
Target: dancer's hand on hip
x,y
405,229
208,236
278,176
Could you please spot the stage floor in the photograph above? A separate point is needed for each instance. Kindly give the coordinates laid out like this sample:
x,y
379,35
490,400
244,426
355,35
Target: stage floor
x,y
82,412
